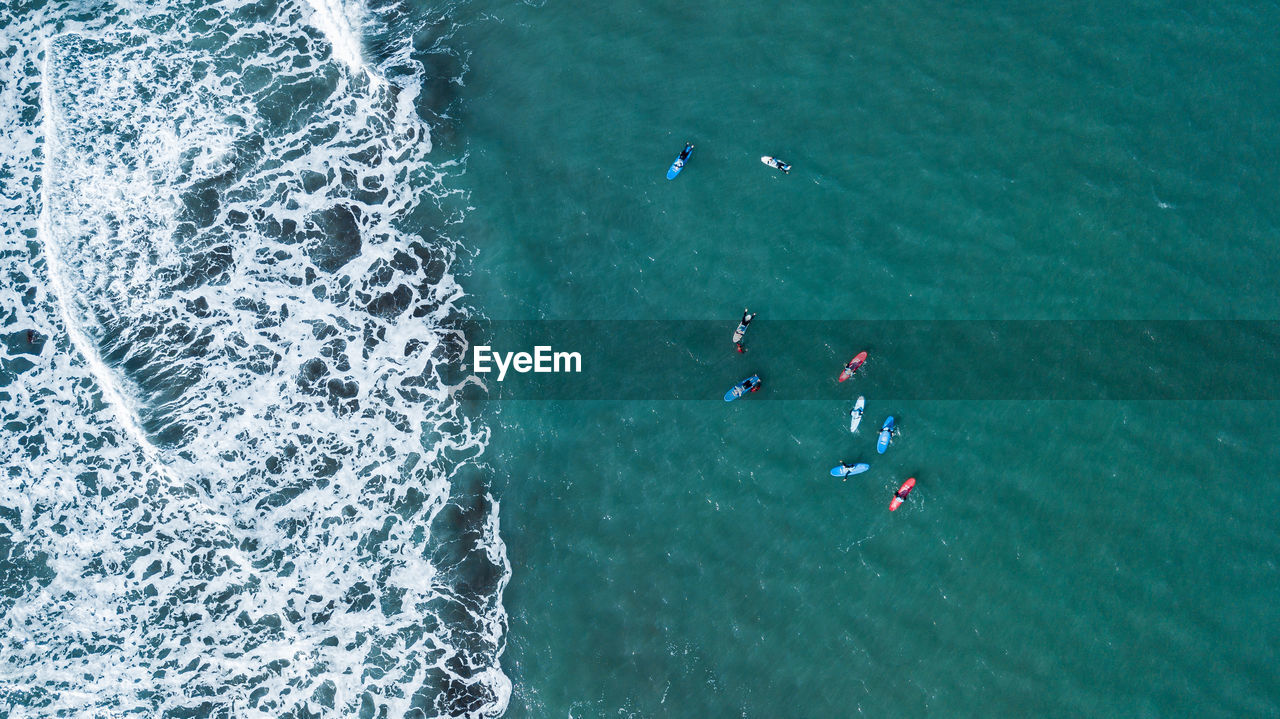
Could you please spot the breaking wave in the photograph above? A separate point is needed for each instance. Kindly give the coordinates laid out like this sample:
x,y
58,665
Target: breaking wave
x,y
238,482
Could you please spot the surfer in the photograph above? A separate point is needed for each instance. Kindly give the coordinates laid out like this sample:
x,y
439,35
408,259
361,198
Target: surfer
x,y
901,495
846,466
747,316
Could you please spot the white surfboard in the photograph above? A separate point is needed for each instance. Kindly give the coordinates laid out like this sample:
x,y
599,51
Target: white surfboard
x,y
775,163
855,414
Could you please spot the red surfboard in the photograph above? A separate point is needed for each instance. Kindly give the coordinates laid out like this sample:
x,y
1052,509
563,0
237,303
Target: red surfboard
x,y
853,366
902,493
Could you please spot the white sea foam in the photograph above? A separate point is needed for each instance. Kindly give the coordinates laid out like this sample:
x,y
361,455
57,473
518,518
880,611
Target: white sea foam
x,y
218,491
341,23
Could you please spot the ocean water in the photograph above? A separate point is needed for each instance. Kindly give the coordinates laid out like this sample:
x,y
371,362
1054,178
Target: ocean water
x,y
236,484
1008,161
248,240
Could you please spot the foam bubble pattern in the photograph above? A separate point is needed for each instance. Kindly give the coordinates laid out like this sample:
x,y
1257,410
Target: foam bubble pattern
x,y
237,483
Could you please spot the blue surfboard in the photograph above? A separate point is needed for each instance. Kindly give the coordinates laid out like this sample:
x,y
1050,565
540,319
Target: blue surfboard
x,y
742,388
678,165
843,471
885,433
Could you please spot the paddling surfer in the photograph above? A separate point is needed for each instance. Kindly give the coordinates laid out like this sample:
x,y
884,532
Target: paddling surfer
x,y
747,316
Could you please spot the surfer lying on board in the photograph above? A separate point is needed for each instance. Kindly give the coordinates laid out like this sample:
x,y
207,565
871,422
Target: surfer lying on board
x,y
747,316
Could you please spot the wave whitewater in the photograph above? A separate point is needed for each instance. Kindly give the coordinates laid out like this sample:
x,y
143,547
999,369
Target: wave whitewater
x,y
238,483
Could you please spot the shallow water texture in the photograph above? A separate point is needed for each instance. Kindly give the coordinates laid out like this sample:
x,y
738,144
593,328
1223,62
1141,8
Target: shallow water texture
x,y
236,483
1057,558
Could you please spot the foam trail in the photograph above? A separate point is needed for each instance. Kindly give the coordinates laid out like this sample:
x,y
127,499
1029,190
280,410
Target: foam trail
x,y
103,376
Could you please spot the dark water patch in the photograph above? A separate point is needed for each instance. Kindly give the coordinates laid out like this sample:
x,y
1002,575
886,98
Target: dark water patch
x,y
390,305
335,349
199,308
279,463
163,356
439,100
202,203
338,241
320,135
28,342
312,181
22,568
16,366
204,710
343,397
165,433
404,262
310,376
358,598
446,695
432,266
253,13
281,497
325,466
291,103
371,156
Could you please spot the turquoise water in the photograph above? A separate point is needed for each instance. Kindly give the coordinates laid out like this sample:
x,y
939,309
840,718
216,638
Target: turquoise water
x,y
1087,161
242,482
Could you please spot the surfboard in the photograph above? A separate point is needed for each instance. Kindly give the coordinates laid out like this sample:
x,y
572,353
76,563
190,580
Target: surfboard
x,y
842,471
855,414
853,366
738,390
776,163
678,165
886,432
902,493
